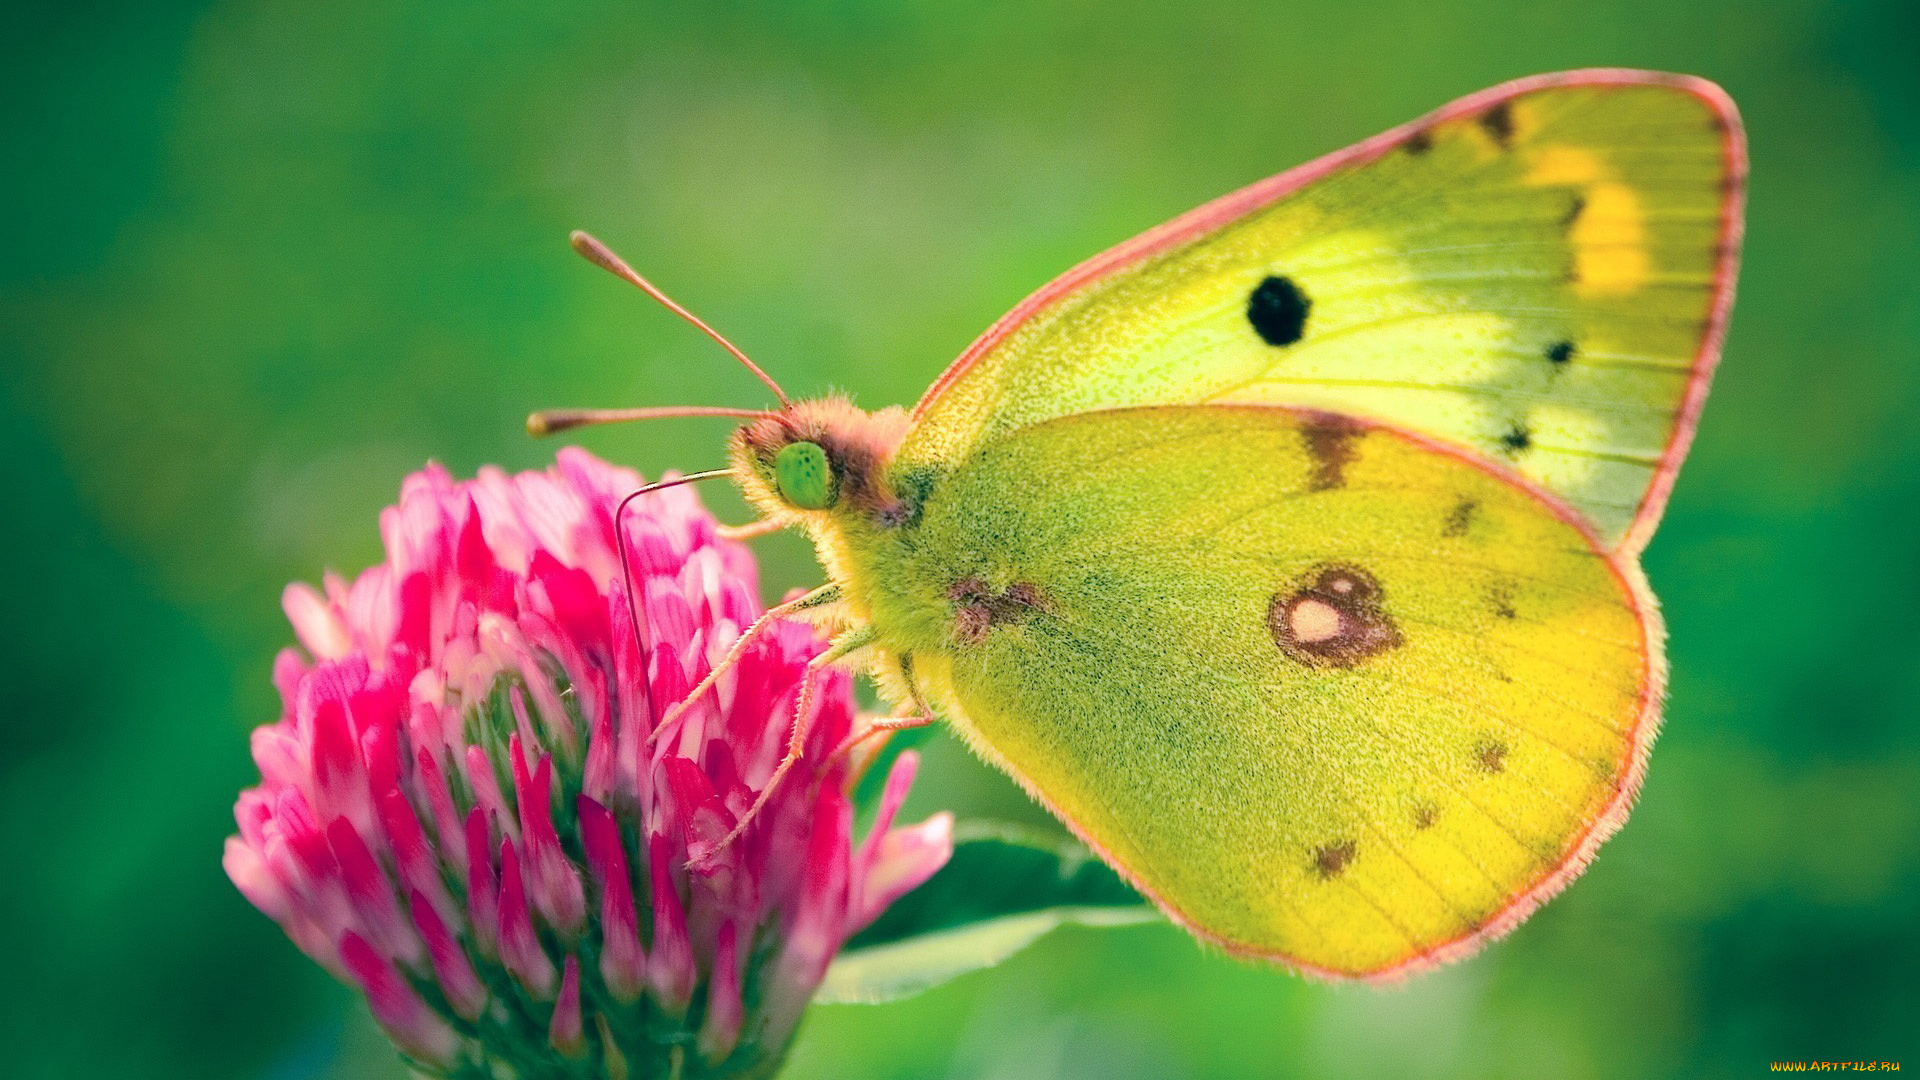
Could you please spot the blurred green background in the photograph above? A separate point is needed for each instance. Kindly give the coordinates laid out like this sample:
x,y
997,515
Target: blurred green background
x,y
258,260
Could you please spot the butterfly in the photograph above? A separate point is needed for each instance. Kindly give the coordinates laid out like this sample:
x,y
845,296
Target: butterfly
x,y
1288,552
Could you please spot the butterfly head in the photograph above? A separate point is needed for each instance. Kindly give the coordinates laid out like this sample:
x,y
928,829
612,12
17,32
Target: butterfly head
x,y
821,457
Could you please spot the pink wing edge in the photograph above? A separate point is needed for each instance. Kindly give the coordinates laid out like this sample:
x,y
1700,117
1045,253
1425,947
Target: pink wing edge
x,y
1524,901
1212,215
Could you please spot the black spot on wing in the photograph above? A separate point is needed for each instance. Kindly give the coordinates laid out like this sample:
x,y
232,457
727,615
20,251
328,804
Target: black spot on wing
x,y
1418,143
1278,311
1560,353
1330,860
1498,124
1517,440
1573,213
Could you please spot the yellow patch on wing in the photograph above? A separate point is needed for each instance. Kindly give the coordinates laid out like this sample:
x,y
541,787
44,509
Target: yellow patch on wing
x,y
1608,233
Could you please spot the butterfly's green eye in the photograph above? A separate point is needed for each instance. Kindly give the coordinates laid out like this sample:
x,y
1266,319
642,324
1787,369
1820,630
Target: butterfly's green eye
x,y
803,475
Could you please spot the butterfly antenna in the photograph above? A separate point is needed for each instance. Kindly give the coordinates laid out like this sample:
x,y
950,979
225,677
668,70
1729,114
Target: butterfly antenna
x,y
600,255
626,571
551,421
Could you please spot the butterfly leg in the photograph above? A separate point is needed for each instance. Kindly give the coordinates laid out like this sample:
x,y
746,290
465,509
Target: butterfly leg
x,y
843,646
820,597
921,716
879,725
750,530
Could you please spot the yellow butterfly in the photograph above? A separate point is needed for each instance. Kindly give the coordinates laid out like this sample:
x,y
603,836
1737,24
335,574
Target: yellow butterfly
x,y
1288,552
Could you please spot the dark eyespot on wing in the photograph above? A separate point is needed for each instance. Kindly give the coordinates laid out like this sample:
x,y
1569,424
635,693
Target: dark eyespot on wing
x,y
1500,599
1330,859
1517,440
1418,143
1025,594
1560,353
1329,439
978,608
972,610
1574,210
1336,620
1490,755
1460,518
971,621
1278,311
1498,123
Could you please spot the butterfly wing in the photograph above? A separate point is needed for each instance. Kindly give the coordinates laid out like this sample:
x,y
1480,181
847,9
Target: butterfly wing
x,y
1331,694
1540,273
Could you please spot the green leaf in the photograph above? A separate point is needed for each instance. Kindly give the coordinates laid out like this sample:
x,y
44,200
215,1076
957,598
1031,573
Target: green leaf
x,y
1002,890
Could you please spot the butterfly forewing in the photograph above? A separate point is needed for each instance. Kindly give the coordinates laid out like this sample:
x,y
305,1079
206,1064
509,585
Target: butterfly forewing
x,y
1539,274
1330,694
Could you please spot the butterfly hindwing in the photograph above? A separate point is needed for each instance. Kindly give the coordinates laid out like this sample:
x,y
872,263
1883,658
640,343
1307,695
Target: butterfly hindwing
x,y
1539,273
1331,694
